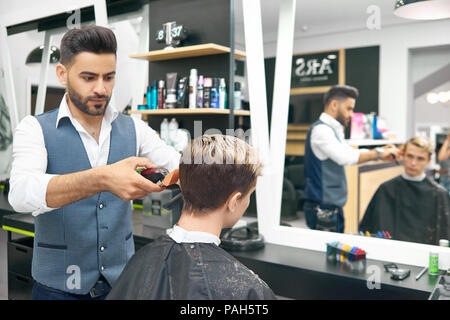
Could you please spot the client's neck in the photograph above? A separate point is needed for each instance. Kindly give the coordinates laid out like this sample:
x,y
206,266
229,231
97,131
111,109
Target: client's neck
x,y
210,221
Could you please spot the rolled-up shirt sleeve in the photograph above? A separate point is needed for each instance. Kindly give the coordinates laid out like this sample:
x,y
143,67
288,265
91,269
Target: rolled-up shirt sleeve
x,y
151,146
29,180
326,145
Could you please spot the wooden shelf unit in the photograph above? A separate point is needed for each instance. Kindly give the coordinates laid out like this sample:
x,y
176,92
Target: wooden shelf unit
x,y
296,139
187,52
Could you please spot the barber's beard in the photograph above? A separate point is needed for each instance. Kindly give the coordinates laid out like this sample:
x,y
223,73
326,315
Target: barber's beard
x,y
82,102
342,120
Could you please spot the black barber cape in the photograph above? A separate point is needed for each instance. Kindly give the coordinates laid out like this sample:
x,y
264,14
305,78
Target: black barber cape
x,y
165,269
414,211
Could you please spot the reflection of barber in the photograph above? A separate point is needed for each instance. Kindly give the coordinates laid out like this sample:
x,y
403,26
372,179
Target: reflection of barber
x,y
326,154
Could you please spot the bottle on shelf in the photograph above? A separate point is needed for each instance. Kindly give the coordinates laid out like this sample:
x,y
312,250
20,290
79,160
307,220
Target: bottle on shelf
x,y
183,91
222,94
154,96
237,96
193,89
161,94
207,92
215,93
164,131
200,92
148,97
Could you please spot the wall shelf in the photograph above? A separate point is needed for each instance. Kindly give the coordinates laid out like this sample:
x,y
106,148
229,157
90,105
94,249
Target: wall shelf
x,y
187,52
185,111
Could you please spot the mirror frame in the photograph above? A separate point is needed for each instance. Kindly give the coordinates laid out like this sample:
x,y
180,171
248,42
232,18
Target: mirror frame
x,y
269,186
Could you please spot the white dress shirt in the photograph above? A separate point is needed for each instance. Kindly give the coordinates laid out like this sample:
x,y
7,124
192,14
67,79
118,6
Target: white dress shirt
x,y
325,144
29,180
179,235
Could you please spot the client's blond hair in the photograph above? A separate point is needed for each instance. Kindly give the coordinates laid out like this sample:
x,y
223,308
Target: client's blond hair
x,y
212,167
421,142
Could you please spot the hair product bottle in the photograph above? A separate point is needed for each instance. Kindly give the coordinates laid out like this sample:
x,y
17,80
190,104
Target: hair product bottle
x,y
207,93
237,96
154,96
193,89
215,93
222,94
200,92
161,94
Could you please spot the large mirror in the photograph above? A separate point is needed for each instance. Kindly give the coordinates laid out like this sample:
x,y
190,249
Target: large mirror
x,y
395,65
5,129
319,62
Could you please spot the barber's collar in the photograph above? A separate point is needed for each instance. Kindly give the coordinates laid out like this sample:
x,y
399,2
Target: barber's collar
x,y
417,178
64,112
329,120
179,235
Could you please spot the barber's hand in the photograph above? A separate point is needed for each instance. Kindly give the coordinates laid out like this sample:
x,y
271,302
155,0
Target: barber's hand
x,y
126,183
391,153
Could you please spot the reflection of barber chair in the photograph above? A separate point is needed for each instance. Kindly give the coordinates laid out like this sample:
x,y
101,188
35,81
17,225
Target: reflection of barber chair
x,y
292,197
161,210
296,174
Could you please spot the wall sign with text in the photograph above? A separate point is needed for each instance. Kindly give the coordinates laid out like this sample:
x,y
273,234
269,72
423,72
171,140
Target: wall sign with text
x,y
317,71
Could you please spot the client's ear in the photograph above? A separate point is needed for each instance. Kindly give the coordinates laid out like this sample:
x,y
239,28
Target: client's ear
x,y
232,201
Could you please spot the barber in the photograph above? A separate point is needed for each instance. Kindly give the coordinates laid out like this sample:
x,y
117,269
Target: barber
x,y
74,168
327,154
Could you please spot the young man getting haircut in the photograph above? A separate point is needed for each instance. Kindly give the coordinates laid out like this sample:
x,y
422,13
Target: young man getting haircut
x,y
410,206
217,176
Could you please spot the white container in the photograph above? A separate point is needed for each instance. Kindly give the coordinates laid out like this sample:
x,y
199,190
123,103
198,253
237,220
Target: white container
x,y
237,96
222,94
173,127
164,132
193,89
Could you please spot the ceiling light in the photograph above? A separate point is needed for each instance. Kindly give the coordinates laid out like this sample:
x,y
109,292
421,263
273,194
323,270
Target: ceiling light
x,y
432,98
422,9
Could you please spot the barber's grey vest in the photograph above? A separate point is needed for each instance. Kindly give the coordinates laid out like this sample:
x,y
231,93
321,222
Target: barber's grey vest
x,y
76,243
325,180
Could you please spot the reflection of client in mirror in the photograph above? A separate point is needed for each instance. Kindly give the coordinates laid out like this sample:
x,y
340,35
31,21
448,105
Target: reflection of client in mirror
x,y
411,207
326,155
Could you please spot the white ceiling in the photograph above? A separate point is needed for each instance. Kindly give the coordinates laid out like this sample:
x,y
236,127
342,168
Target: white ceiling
x,y
321,16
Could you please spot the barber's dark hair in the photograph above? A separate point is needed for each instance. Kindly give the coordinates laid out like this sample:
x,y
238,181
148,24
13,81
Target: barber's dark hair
x,y
93,39
340,92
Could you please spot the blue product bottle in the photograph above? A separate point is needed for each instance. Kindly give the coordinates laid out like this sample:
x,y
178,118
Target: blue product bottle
x,y
215,102
149,88
154,96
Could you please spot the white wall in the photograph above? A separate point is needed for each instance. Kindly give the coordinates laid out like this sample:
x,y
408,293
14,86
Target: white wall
x,y
432,114
424,62
394,42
